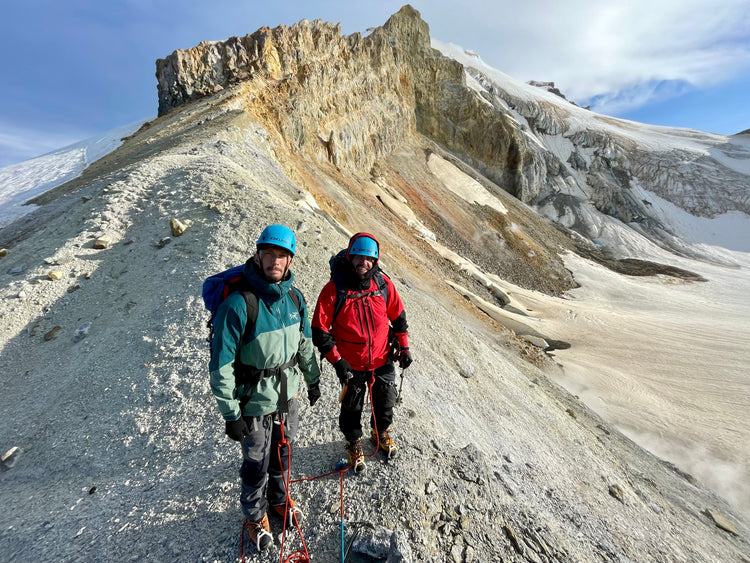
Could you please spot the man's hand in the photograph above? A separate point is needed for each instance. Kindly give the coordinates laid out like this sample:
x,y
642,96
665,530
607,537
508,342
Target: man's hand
x,y
237,429
313,393
343,370
404,358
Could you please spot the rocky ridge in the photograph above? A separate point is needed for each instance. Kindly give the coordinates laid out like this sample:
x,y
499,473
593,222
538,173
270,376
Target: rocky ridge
x,y
497,461
353,99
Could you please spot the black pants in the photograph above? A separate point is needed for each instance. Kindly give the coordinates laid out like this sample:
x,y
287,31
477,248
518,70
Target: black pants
x,y
261,474
384,395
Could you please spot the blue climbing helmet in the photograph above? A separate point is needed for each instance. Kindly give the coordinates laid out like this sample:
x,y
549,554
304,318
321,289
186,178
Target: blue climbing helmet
x,y
363,244
278,235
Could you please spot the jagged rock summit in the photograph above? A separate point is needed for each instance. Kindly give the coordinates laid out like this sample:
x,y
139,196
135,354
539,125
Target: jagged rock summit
x,y
115,446
350,100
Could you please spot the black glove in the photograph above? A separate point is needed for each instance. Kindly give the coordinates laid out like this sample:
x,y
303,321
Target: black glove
x,y
404,358
343,370
313,393
237,429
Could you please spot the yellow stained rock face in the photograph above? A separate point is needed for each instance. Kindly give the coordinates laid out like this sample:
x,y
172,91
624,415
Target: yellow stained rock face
x,y
347,100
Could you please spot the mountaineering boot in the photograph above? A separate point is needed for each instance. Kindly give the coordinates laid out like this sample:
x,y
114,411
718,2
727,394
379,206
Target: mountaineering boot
x,y
294,511
356,457
386,442
260,533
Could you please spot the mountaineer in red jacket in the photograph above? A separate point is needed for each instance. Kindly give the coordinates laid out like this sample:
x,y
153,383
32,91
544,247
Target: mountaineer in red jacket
x,y
360,327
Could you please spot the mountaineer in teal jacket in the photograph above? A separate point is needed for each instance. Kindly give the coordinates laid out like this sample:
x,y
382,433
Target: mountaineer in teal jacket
x,y
258,393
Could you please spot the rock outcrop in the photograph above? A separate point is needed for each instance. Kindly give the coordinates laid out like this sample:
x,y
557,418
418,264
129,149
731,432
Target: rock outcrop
x,y
352,99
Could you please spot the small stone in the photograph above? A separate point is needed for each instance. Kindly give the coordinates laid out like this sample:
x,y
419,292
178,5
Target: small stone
x,y
430,488
54,275
15,271
537,341
163,242
722,522
514,539
9,458
467,370
51,334
3,252
81,332
571,412
22,295
177,227
102,242
616,491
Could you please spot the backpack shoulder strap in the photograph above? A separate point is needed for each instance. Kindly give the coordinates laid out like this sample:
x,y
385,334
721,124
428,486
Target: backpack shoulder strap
x,y
379,277
298,298
251,303
341,293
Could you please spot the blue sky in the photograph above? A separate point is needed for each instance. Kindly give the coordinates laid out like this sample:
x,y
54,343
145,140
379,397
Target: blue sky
x,y
76,68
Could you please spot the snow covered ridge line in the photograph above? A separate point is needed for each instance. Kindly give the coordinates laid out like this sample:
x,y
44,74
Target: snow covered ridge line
x,y
26,180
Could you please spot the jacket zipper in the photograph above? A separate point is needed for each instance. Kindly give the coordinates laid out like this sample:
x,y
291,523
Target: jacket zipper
x,y
367,313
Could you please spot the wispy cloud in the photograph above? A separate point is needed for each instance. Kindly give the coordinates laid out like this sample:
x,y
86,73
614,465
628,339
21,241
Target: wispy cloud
x,y
18,144
611,55
636,95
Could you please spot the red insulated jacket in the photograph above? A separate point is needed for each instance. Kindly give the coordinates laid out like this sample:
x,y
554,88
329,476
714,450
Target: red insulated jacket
x,y
359,333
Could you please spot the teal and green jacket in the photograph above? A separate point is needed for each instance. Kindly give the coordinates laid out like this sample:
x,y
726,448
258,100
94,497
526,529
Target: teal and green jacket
x,y
274,341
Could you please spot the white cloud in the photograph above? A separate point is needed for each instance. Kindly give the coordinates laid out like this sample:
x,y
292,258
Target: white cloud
x,y
617,51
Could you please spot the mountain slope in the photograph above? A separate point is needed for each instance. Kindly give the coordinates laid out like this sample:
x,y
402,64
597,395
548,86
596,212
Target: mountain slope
x,y
497,461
